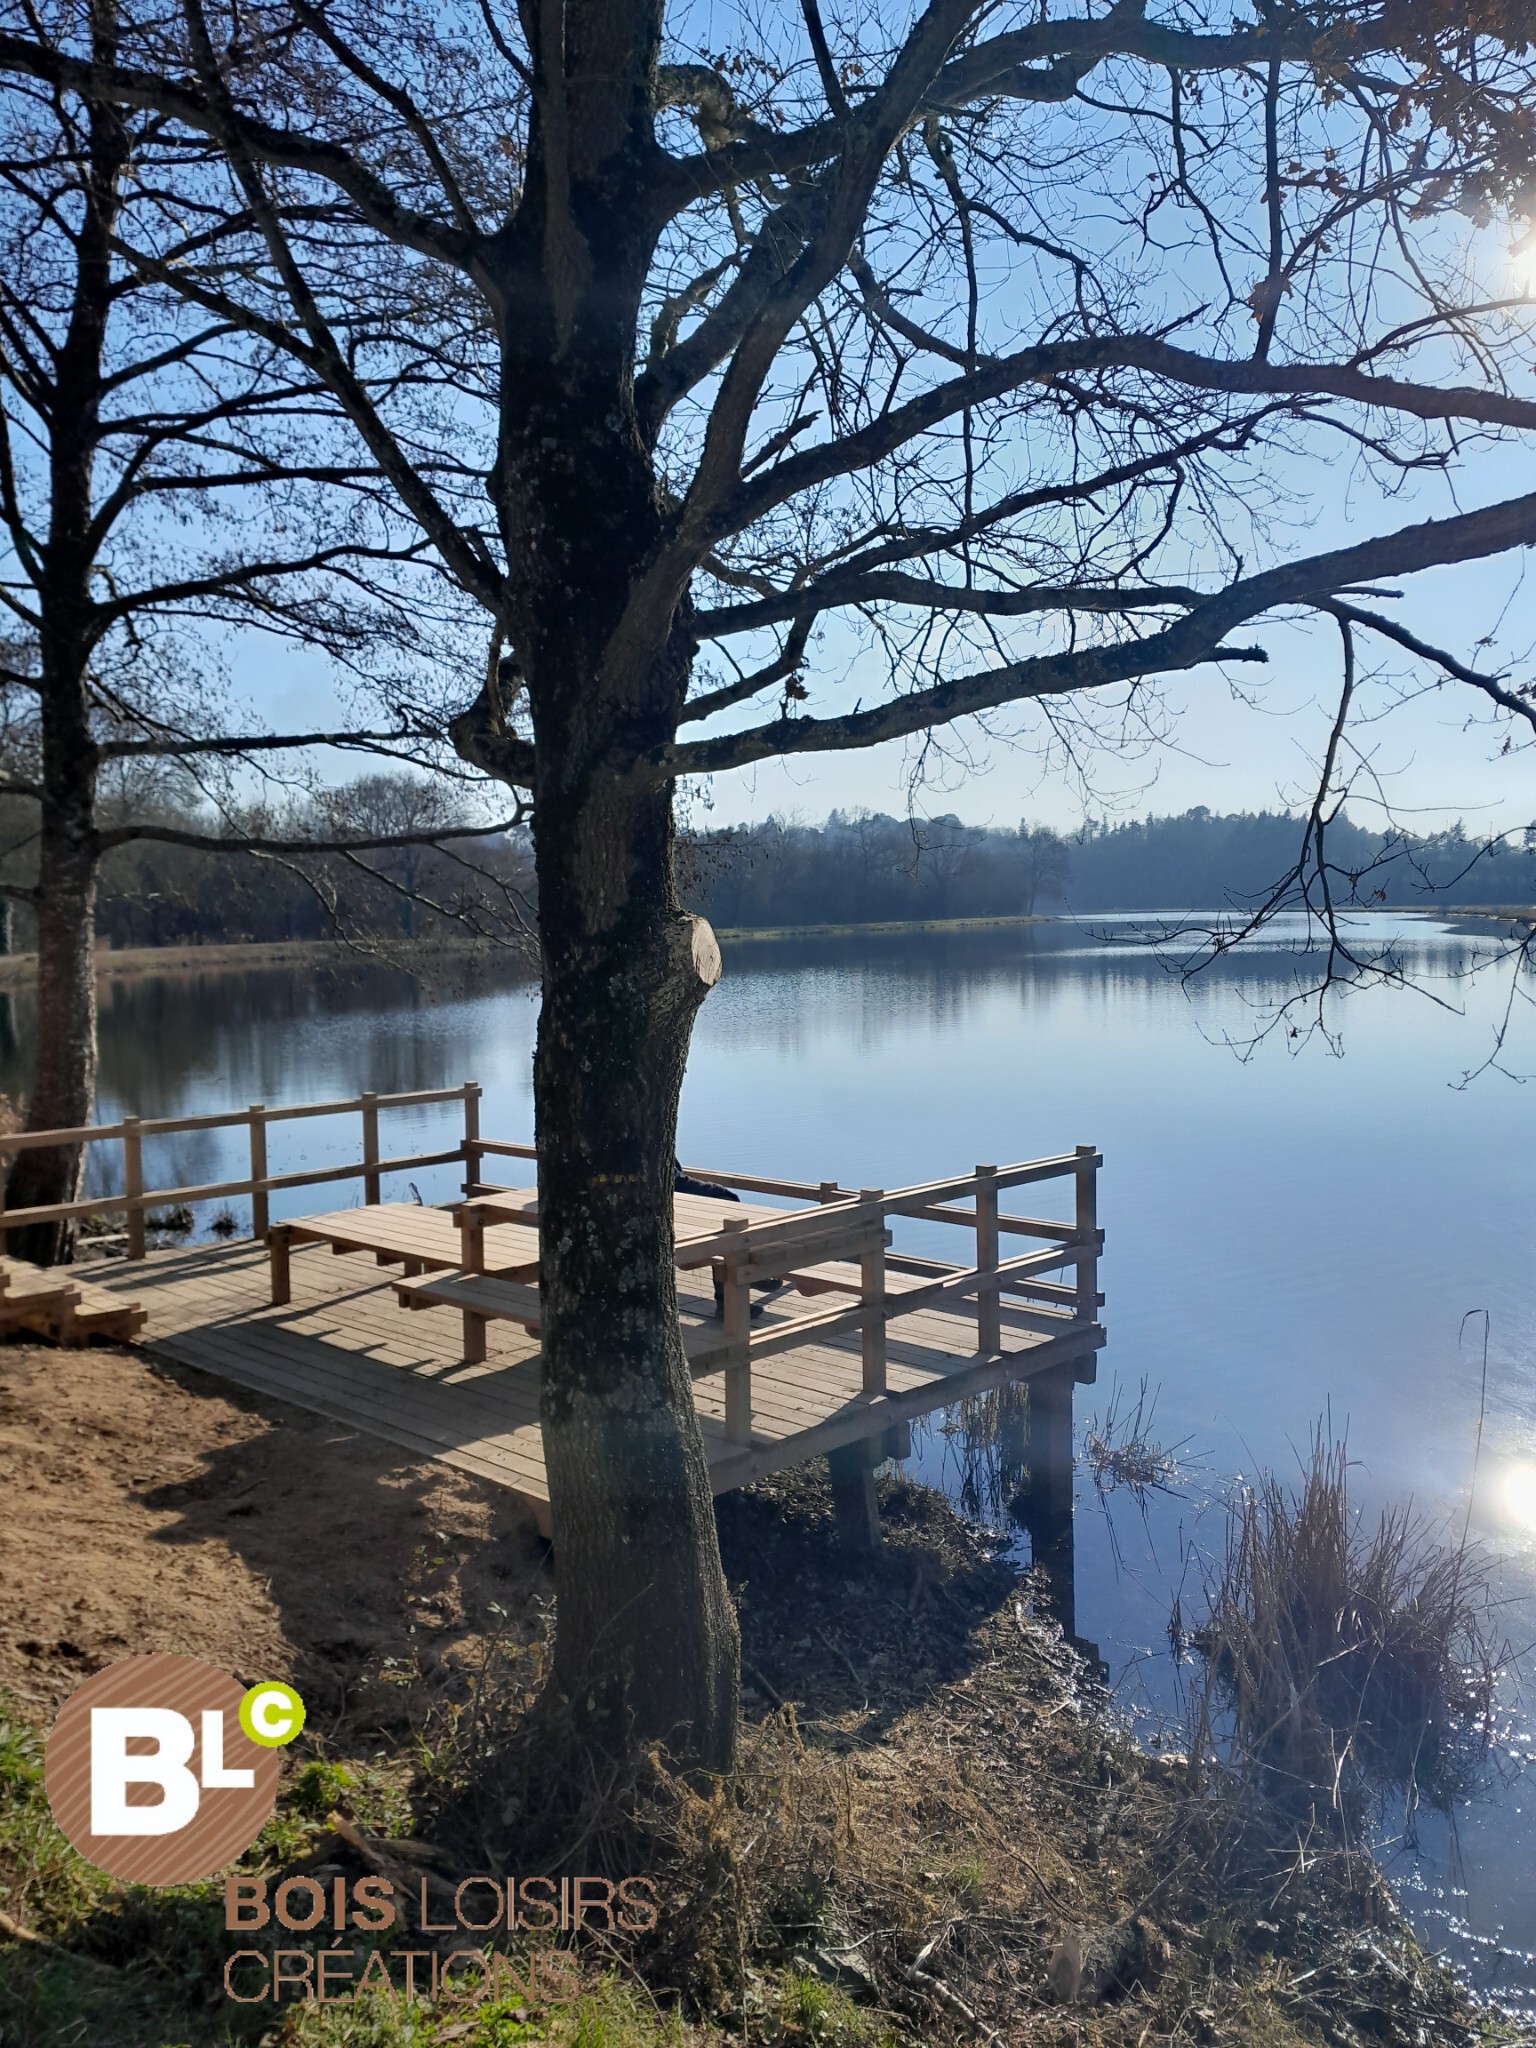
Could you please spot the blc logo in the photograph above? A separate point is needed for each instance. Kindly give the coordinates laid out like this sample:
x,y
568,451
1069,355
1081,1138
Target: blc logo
x,y
162,1770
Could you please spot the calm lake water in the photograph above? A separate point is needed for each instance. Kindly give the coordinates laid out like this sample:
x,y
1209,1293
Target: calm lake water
x,y
1295,1237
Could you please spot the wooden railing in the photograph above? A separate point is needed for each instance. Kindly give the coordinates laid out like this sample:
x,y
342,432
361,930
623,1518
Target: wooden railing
x,y
843,1231
846,1224
136,1200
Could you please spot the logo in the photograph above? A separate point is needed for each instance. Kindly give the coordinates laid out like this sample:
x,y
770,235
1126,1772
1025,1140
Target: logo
x,y
161,1770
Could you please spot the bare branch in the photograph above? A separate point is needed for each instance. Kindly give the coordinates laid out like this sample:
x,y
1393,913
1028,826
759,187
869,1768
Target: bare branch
x,y
1195,639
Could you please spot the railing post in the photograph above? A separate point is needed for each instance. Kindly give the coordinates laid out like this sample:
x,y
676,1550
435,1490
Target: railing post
x,y
872,1295
370,1107
133,1185
260,1218
826,1192
989,1317
471,1136
736,1308
5,1174
1087,1307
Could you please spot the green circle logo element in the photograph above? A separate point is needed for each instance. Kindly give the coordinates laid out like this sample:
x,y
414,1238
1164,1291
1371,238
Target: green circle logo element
x,y
271,1714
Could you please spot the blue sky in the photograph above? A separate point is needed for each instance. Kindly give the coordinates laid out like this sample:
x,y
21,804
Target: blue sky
x,y
1436,755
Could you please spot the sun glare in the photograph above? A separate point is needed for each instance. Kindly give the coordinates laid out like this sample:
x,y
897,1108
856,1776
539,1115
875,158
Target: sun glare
x,y
1519,1491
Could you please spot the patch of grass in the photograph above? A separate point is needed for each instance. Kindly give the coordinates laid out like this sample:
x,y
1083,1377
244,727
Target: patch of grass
x,y
113,1966
809,2009
966,1882
609,2014
377,2020
318,1786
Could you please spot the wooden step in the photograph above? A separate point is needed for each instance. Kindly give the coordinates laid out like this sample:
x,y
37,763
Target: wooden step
x,y
54,1302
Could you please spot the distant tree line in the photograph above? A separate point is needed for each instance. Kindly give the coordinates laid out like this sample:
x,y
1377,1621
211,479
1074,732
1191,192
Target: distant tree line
x,y
441,881
856,868
863,868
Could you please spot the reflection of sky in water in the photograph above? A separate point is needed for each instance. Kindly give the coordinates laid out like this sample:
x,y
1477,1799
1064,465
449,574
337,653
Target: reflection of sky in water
x,y
1286,1239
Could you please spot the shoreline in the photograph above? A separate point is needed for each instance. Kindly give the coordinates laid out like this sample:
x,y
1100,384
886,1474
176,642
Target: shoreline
x,y
739,934
930,1752
123,961
18,969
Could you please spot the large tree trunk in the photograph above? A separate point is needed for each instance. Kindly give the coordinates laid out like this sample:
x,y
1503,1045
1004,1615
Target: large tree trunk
x,y
64,1067
647,1649
69,851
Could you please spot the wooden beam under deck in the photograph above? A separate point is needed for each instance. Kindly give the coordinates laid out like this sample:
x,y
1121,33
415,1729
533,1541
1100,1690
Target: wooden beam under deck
x,y
345,1348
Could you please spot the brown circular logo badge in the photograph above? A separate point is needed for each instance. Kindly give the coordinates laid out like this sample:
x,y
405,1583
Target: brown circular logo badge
x,y
151,1772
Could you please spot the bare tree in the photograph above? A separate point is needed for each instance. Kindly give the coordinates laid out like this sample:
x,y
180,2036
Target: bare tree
x,y
1045,861
1023,342
161,474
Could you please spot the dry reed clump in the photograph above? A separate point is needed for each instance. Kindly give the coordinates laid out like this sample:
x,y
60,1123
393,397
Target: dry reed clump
x,y
1352,1661
1119,1449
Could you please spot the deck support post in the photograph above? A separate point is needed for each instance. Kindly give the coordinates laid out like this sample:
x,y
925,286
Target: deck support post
x,y
1048,1442
896,1441
1048,1494
855,1508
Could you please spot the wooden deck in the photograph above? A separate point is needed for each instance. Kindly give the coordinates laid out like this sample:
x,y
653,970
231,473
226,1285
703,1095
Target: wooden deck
x,y
344,1347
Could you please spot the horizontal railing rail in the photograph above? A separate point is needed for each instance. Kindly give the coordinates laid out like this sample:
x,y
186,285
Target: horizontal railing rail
x,y
137,1201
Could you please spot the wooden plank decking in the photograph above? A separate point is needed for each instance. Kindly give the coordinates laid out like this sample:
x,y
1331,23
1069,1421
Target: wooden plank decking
x,y
344,1347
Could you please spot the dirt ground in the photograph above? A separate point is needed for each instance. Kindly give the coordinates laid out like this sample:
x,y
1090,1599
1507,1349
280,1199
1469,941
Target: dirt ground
x,y
151,1507
934,1806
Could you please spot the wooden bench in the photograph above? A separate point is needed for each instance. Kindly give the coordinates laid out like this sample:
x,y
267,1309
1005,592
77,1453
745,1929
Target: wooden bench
x,y
483,1298
398,1234
841,1276
746,1245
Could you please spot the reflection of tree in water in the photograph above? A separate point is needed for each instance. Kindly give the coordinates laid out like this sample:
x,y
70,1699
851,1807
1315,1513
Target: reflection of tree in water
x,y
190,1043
789,994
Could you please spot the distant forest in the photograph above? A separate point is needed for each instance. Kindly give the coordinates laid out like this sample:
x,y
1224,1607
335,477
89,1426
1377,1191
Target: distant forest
x,y
154,892
856,868
860,868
